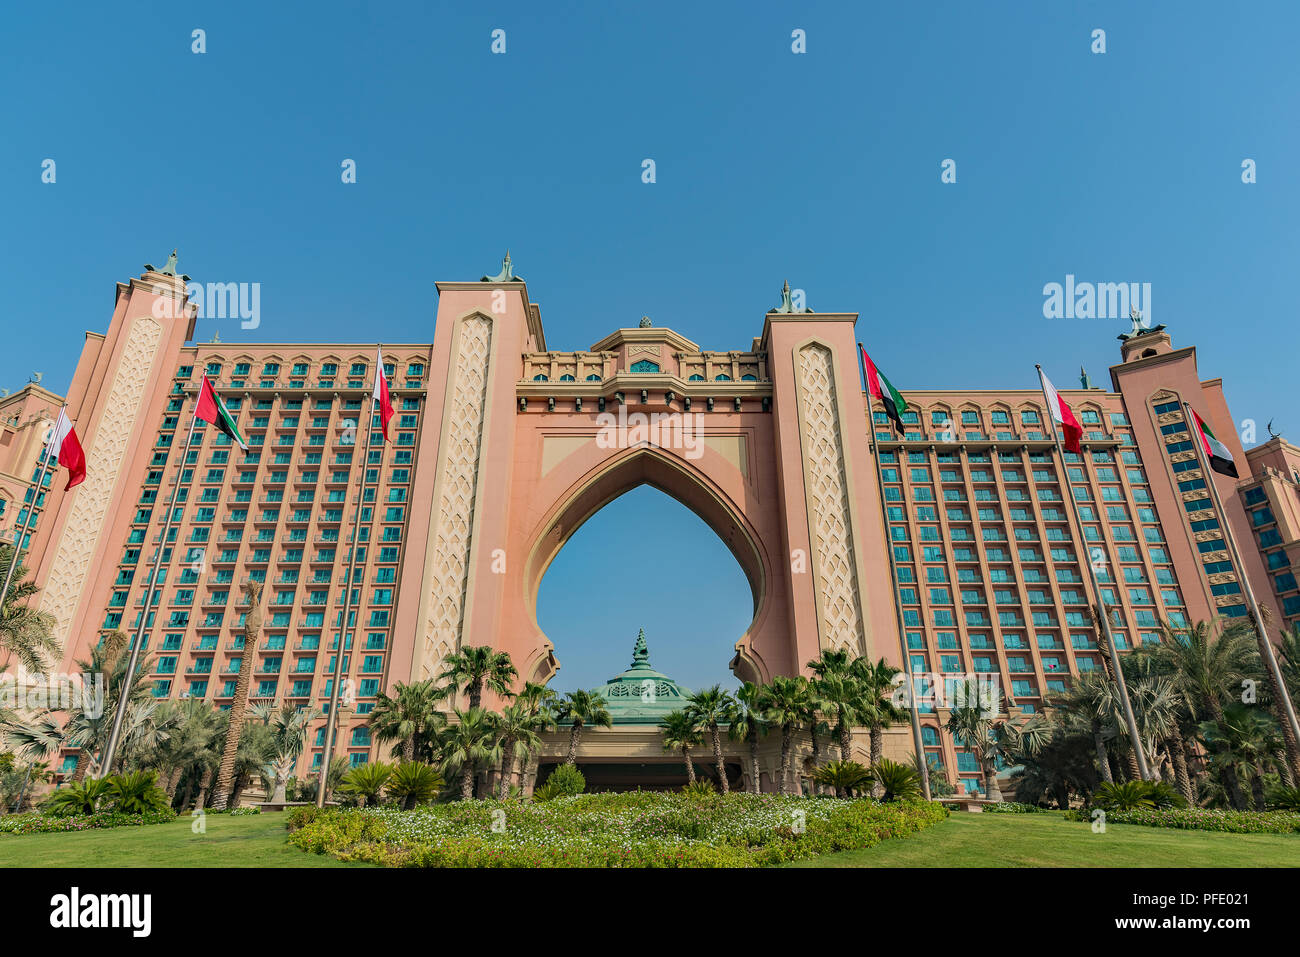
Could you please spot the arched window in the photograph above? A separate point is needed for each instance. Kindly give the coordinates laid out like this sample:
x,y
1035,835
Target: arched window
x,y
929,735
749,377
593,378
644,365
721,378
695,377
567,378
540,377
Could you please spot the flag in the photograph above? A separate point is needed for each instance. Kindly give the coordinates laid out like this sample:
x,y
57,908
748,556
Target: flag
x,y
65,447
210,408
380,395
882,389
1071,431
1218,454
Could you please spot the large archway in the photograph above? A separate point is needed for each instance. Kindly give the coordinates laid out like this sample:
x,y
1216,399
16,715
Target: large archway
x,y
689,486
692,617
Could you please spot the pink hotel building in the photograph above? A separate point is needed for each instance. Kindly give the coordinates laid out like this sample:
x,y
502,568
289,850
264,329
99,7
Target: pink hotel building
x,y
494,462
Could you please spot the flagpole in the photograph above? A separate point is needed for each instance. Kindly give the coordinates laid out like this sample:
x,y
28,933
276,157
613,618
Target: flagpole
x,y
331,719
1086,559
124,695
31,514
1270,658
917,741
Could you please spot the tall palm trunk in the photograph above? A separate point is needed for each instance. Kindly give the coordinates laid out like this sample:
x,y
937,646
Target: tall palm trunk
x,y
877,744
189,792
79,772
507,768
1230,780
238,711
476,693
241,779
991,789
717,759
1283,770
846,741
173,781
573,743
752,737
1257,788
408,749
787,733
816,756
1130,758
690,765
1103,761
1177,754
203,788
467,780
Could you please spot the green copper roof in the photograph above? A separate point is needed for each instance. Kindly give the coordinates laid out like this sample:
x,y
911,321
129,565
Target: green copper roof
x,y
641,695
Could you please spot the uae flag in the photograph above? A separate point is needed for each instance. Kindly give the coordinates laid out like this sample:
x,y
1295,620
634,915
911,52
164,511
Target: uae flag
x,y
380,395
211,409
65,447
1218,454
1062,415
882,389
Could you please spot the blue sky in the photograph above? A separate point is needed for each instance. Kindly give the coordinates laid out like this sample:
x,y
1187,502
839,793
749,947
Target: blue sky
x,y
823,168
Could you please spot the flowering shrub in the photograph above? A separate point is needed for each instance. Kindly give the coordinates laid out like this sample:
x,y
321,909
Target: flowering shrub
x,y
640,829
245,811
38,823
1012,807
1202,819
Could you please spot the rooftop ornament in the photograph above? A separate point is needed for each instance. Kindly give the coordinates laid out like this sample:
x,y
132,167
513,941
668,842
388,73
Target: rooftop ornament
x,y
507,273
168,269
645,322
1139,329
787,306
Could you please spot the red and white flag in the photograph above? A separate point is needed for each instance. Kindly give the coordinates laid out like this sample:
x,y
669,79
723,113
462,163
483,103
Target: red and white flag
x,y
66,448
1071,431
380,395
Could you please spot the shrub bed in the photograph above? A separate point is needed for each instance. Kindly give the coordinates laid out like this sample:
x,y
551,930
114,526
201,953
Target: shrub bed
x,y
38,823
609,830
1202,819
1013,807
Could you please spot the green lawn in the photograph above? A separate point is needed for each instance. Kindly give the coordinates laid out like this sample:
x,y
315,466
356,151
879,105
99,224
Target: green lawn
x,y
964,840
255,841
1046,840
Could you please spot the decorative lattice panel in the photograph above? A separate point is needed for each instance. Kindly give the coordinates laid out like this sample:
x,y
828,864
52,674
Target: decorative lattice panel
x,y
828,503
458,485
104,458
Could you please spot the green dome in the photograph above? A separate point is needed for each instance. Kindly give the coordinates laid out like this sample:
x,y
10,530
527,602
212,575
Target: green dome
x,y
641,695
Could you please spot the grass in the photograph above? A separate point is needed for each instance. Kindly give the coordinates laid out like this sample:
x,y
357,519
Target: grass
x,y
255,841
1046,840
964,840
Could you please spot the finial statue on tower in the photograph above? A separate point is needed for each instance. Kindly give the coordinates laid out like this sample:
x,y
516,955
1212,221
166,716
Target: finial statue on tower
x,y
640,653
507,273
787,306
168,269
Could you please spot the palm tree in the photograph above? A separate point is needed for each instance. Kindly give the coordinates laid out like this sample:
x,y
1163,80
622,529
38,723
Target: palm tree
x,y
1207,670
745,723
817,728
89,729
238,706
413,783
1288,653
1243,740
25,633
582,708
476,667
517,728
972,727
710,708
469,741
411,718
681,731
366,781
785,701
1089,703
288,738
876,708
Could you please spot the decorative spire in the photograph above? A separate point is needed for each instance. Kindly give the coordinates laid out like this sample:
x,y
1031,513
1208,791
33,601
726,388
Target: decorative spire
x,y
640,653
1084,381
787,306
645,322
507,273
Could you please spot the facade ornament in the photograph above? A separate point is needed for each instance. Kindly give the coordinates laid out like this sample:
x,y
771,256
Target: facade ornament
x,y
645,322
168,269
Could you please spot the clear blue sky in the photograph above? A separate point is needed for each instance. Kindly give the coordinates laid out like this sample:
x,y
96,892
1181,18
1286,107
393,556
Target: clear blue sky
x,y
822,168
